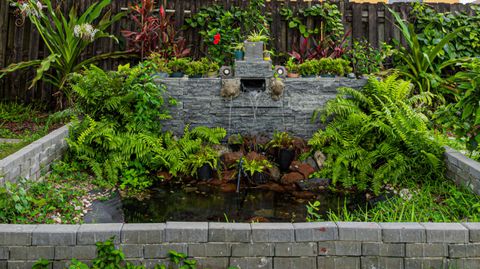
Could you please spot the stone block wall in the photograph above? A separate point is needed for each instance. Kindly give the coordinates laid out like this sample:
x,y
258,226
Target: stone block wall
x,y
330,245
200,103
463,170
35,158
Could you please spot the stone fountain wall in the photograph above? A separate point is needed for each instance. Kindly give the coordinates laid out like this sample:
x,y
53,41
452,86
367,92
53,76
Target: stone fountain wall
x,y
200,103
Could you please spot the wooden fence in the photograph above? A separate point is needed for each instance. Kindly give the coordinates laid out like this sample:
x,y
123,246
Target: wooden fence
x,y
20,41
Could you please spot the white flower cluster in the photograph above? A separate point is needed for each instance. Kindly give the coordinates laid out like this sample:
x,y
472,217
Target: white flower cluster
x,y
29,10
85,31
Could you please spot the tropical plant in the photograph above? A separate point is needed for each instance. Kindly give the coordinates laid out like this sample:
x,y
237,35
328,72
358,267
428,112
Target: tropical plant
x,y
257,37
176,155
155,33
365,58
255,166
204,156
432,26
120,128
376,136
327,13
65,39
463,116
281,140
292,66
418,61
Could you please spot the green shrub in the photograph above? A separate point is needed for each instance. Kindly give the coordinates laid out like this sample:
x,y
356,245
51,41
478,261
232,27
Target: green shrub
x,y
325,66
120,128
178,64
376,136
197,68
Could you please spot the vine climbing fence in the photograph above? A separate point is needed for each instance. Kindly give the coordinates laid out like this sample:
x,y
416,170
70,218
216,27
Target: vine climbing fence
x,y
19,40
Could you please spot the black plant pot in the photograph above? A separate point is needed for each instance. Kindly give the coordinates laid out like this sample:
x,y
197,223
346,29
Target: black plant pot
x,y
235,147
259,178
196,76
285,158
205,172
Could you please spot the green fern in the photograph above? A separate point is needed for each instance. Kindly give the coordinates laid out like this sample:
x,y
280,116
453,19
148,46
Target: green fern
x,y
377,137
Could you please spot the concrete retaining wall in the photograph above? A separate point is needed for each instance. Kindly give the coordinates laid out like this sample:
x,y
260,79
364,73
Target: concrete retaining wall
x,y
342,245
200,103
463,170
30,161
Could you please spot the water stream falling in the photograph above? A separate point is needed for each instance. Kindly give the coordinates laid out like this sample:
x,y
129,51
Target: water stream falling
x,y
253,96
230,116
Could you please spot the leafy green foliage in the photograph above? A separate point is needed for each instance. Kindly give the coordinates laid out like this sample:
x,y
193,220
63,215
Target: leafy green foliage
x,y
189,152
433,201
325,66
255,166
432,26
365,58
463,117
121,126
66,38
328,13
57,196
377,137
281,140
232,25
417,60
178,65
108,256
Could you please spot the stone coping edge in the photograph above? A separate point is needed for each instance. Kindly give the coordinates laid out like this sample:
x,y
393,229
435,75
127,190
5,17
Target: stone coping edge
x,y
30,161
203,232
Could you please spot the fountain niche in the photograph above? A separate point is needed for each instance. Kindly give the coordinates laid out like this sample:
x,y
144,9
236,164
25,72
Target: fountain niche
x,y
250,100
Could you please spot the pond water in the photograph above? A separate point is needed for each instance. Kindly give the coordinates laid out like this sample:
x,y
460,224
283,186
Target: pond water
x,y
207,203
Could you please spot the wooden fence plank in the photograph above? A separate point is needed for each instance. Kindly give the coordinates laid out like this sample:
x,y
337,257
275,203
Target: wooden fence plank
x,y
368,21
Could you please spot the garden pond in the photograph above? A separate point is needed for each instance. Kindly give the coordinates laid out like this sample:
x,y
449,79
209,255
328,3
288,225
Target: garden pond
x,y
207,203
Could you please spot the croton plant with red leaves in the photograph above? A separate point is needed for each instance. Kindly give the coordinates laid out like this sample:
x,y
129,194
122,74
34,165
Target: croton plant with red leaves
x,y
155,32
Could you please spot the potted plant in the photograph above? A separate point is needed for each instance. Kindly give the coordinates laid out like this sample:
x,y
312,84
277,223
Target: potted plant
x,y
211,67
196,69
157,65
256,170
267,55
178,67
235,142
282,143
238,51
292,68
203,163
255,44
308,69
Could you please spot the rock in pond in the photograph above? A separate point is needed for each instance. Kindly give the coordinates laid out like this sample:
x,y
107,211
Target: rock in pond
x,y
319,158
303,168
314,184
291,178
231,158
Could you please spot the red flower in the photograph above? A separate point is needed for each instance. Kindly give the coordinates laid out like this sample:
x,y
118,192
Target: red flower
x,y
162,11
216,39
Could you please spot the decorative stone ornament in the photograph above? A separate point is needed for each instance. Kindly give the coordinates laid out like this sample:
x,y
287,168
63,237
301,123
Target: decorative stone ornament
x,y
277,88
230,88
